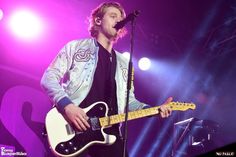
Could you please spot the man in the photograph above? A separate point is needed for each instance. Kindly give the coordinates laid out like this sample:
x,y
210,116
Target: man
x,y
90,70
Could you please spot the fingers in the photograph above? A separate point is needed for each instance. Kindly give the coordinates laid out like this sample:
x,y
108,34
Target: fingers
x,y
81,122
77,117
84,120
168,100
76,123
165,111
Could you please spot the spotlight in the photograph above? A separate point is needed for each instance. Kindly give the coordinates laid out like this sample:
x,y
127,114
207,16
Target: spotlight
x,y
1,14
25,24
144,63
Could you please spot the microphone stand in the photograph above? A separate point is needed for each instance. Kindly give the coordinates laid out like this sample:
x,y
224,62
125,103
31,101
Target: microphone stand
x,y
129,81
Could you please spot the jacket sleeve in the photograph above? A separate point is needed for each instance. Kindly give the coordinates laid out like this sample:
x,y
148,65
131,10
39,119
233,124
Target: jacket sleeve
x,y
135,104
52,78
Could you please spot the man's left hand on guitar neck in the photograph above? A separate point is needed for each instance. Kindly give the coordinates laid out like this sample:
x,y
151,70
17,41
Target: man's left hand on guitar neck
x,y
165,109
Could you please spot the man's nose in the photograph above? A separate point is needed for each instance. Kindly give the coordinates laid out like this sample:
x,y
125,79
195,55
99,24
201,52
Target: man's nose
x,y
118,20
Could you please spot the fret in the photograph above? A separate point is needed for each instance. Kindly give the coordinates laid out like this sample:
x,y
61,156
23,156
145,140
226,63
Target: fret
x,y
112,119
132,115
121,119
143,113
139,113
146,112
116,119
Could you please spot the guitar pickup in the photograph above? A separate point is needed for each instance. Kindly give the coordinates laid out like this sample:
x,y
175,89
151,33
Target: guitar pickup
x,y
94,122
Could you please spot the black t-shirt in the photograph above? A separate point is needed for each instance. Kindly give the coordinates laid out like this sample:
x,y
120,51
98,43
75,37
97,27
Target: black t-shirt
x,y
104,85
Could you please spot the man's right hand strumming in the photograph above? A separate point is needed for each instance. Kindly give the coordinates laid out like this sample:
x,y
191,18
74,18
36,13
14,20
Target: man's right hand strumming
x,y
76,116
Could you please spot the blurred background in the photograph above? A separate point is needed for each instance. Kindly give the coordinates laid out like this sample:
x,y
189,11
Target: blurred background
x,y
190,47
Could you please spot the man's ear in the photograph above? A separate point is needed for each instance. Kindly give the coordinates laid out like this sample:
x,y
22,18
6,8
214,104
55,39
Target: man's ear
x,y
98,21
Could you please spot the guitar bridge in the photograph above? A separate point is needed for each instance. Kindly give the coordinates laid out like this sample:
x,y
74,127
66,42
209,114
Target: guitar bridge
x,y
95,125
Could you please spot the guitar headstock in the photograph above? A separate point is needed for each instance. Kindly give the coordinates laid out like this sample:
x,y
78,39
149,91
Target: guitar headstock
x,y
181,106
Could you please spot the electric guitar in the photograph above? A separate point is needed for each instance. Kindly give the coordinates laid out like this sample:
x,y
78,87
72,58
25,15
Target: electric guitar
x,y
66,141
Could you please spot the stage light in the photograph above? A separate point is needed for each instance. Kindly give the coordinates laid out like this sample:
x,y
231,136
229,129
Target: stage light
x,y
25,24
126,55
144,63
1,14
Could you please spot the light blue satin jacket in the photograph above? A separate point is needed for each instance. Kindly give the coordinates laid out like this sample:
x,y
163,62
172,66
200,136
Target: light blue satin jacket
x,y
71,74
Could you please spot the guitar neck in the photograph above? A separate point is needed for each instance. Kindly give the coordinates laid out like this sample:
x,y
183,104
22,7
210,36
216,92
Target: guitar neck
x,y
115,119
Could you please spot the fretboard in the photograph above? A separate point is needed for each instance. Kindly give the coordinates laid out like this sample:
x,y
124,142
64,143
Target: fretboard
x,y
115,119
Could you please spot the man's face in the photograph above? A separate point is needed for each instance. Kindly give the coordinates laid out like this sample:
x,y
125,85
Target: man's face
x,y
109,20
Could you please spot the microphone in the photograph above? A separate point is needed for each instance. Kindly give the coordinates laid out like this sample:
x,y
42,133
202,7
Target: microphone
x,y
129,18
